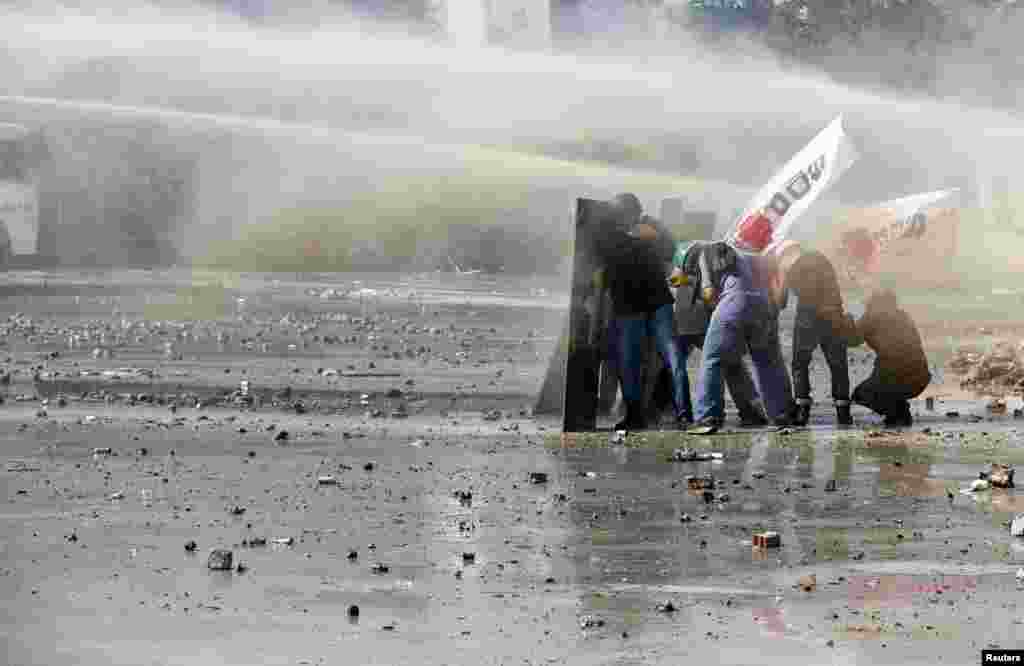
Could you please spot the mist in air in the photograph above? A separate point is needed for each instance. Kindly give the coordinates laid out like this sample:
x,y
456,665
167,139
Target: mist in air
x,y
329,125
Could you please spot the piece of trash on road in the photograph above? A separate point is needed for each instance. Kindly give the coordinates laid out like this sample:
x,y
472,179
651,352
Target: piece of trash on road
x,y
22,466
692,455
220,560
767,540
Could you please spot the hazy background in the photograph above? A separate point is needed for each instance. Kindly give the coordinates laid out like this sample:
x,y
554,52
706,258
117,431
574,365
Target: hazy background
x,y
364,135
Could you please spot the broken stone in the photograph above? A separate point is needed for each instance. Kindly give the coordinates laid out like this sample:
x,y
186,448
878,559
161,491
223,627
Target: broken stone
x,y
1001,476
808,583
767,540
220,560
706,482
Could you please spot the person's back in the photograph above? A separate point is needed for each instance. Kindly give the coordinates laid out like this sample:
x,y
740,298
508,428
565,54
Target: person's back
x,y
890,332
637,269
901,368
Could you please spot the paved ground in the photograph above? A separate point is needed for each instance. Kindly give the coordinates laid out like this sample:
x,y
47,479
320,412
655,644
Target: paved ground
x,y
572,570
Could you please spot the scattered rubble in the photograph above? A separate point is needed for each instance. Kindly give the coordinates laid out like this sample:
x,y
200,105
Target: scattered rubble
x,y
220,560
767,540
996,372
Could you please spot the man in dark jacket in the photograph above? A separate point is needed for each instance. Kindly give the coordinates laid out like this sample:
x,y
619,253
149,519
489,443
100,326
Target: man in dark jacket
x,y
821,321
901,368
636,252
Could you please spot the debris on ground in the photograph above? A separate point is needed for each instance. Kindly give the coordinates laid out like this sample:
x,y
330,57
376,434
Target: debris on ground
x,y
281,436
706,482
667,607
190,546
285,541
692,455
767,540
590,622
995,372
380,569
327,480
538,477
353,611
1000,476
220,560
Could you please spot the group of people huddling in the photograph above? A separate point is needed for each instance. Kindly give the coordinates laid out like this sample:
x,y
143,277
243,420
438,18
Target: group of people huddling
x,y
727,301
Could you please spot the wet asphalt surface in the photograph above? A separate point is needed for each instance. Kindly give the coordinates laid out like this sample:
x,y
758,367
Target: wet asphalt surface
x,y
481,563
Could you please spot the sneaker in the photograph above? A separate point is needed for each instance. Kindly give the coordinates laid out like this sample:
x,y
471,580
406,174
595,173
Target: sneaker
x,y
708,426
843,416
802,415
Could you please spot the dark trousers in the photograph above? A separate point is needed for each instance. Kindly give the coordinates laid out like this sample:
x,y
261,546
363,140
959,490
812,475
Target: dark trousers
x,y
887,396
809,333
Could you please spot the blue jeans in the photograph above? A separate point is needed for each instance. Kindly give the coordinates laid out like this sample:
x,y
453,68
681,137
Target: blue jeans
x,y
633,333
742,321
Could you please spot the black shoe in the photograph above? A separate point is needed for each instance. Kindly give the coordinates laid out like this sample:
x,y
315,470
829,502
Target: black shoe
x,y
843,416
634,419
753,421
900,421
801,415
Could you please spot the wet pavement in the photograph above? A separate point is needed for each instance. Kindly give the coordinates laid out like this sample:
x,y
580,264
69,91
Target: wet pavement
x,y
485,559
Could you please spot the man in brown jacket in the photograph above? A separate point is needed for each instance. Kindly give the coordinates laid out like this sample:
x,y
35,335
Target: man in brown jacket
x,y
821,321
901,368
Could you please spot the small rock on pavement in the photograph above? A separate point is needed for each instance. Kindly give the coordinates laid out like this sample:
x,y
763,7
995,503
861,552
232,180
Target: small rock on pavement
x,y
1001,476
767,540
220,560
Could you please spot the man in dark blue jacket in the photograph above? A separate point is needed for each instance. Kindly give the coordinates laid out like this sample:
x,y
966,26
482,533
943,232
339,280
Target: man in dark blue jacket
x,y
636,252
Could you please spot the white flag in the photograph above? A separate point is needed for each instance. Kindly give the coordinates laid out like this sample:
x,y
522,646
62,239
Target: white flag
x,y
798,184
905,217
